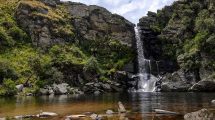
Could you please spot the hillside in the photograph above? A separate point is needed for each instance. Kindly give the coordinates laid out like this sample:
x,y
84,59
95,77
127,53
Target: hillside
x,y
47,41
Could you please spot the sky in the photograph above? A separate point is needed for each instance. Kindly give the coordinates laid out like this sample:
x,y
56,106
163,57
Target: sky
x,y
132,10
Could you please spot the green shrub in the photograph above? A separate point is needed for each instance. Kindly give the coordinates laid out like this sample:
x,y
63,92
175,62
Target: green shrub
x,y
6,71
196,6
209,45
92,65
18,34
8,88
47,74
204,22
5,39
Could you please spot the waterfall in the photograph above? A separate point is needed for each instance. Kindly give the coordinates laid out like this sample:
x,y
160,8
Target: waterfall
x,y
146,82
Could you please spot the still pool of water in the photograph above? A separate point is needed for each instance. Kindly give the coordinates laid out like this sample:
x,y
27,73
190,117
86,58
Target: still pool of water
x,y
139,104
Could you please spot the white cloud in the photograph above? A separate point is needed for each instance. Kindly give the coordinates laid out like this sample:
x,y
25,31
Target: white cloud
x,y
130,9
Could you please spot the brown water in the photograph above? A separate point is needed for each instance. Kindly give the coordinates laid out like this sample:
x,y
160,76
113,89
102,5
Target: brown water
x,y
140,105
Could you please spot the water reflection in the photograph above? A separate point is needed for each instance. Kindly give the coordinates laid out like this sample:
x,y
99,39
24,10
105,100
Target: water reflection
x,y
137,103
178,102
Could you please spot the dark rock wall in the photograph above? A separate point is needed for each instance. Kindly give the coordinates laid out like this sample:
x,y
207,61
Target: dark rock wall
x,y
153,45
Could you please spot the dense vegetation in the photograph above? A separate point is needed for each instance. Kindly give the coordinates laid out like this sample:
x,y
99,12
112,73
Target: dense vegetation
x,y
186,30
23,62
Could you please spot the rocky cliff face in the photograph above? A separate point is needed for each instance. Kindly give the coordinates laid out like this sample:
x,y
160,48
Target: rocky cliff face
x,y
182,35
50,22
96,22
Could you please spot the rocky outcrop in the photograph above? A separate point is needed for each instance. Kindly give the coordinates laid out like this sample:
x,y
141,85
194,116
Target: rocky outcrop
x,y
47,26
102,87
59,89
96,22
203,86
202,114
174,82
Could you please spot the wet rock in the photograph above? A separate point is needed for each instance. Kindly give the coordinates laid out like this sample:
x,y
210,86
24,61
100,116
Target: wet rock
x,y
20,87
95,117
203,86
75,117
121,108
46,114
202,114
44,91
29,94
106,87
213,102
97,92
100,87
124,78
109,112
159,111
174,83
75,91
23,117
60,89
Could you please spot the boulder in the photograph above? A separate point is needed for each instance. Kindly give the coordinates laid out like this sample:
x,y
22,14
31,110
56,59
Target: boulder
x,y
203,86
47,90
174,83
213,102
121,108
75,117
174,87
100,87
202,114
106,87
95,117
97,92
60,89
46,114
109,112
24,117
20,87
75,91
29,94
44,91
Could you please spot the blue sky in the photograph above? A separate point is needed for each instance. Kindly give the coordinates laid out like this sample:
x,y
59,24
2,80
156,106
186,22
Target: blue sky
x,y
130,9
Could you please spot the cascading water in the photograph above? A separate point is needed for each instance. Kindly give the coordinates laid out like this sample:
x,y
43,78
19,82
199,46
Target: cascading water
x,y
146,82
